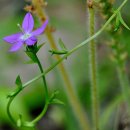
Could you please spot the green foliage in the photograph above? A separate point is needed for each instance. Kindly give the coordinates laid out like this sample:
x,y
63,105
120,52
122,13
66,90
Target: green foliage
x,y
120,21
54,100
18,82
60,52
31,98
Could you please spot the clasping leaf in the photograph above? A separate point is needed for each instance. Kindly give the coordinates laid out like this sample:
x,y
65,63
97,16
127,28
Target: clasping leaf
x,y
54,100
18,82
31,56
60,52
119,21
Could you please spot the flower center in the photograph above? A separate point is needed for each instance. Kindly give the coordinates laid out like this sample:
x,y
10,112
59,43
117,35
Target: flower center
x,y
25,36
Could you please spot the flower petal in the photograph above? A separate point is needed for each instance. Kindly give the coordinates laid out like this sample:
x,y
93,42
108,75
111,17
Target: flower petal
x,y
28,23
31,41
16,46
12,38
41,29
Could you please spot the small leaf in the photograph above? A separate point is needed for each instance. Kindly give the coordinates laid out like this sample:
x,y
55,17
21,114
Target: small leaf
x,y
56,52
57,101
54,100
39,46
62,45
31,56
56,92
122,21
19,121
18,82
117,23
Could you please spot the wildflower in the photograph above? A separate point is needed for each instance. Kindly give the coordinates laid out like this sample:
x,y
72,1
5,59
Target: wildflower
x,y
27,36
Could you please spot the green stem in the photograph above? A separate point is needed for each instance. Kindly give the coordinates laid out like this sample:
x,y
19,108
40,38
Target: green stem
x,y
46,94
41,114
46,100
93,71
64,57
72,98
43,77
8,110
78,46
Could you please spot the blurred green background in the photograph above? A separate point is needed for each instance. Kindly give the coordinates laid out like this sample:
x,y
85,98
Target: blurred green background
x,y
70,19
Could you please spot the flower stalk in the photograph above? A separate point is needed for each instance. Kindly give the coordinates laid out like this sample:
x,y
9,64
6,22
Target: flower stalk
x,y
31,49
45,90
61,59
93,67
74,102
76,48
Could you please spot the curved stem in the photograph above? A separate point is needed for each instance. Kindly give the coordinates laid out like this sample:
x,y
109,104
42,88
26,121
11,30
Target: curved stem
x,y
8,110
93,68
46,93
46,99
78,46
41,114
43,77
64,57
72,98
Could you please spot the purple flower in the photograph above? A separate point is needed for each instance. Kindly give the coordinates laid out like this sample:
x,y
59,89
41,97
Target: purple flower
x,y
27,36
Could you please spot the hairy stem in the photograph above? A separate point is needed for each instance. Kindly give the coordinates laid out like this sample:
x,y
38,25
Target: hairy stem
x,y
93,68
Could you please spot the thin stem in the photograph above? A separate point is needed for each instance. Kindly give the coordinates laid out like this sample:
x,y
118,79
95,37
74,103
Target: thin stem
x,y
77,47
72,98
43,77
64,57
8,110
41,114
46,99
46,93
93,68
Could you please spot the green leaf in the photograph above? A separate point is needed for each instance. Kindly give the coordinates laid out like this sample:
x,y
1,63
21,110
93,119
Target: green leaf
x,y
57,101
40,46
54,100
117,26
56,52
60,52
31,56
19,121
62,45
122,21
18,82
56,92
